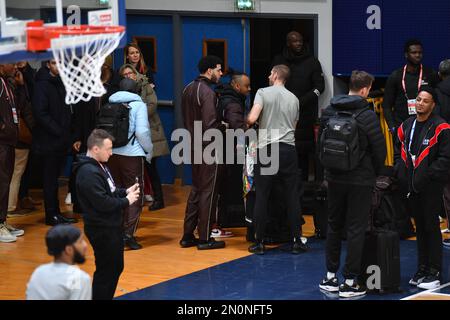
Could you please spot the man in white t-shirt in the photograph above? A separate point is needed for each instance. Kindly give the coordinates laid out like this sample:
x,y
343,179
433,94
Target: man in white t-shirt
x,y
277,111
61,279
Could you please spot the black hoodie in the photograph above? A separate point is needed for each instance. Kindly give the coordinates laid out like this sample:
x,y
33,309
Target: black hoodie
x,y
100,206
443,103
232,105
371,142
52,132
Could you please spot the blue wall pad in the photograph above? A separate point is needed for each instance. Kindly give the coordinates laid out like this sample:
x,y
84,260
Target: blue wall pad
x,y
277,275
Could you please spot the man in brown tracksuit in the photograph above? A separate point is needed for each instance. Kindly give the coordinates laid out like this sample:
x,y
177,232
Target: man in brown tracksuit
x,y
9,130
199,104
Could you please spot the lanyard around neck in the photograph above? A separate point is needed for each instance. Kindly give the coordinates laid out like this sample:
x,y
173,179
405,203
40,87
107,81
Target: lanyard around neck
x,y
418,84
9,94
411,136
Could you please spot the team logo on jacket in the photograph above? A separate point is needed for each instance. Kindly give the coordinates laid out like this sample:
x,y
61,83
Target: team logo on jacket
x,y
426,142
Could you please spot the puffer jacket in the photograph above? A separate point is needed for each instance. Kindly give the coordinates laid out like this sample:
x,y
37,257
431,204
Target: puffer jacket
x,y
148,95
371,142
142,145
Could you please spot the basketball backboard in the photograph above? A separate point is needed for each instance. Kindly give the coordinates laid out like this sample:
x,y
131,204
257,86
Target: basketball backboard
x,y
14,14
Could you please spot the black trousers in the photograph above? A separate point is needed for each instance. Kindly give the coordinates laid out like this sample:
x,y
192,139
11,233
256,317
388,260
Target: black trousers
x,y
347,204
425,208
287,174
155,180
52,165
7,157
109,263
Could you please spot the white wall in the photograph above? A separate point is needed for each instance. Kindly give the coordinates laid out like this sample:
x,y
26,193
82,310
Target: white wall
x,y
323,8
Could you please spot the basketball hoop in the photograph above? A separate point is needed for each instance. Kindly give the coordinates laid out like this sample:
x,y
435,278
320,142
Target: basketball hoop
x,y
79,52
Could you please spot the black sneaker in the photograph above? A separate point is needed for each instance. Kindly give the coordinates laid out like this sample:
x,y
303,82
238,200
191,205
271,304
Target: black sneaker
x,y
131,243
188,241
257,248
346,291
431,281
211,244
157,205
419,276
330,285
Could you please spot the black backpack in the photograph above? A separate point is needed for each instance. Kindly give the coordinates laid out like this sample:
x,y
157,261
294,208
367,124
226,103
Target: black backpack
x,y
339,142
115,119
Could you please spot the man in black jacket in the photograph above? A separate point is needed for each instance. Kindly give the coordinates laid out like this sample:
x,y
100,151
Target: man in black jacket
x,y
422,163
350,192
443,110
307,83
51,135
231,108
102,205
403,84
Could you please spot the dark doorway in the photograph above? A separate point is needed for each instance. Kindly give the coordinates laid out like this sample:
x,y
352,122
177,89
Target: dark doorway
x,y
268,38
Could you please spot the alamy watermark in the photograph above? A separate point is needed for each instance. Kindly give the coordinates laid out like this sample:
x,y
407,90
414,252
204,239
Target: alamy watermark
x,y
212,146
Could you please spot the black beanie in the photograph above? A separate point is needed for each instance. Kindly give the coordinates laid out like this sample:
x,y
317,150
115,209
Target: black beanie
x,y
431,91
59,237
128,85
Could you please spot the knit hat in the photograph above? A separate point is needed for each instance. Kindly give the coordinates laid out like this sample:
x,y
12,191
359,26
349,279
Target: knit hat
x,y
59,237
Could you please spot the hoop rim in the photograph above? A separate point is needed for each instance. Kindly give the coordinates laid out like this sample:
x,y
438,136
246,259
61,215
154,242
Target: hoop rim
x,y
39,36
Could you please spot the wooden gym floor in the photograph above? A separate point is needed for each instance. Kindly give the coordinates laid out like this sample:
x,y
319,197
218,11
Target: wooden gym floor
x,y
160,260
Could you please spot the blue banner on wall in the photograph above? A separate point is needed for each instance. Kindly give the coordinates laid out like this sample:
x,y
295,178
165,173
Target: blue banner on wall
x,y
370,34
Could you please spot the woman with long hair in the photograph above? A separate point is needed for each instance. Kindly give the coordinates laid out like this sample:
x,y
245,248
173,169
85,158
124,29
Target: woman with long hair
x,y
133,56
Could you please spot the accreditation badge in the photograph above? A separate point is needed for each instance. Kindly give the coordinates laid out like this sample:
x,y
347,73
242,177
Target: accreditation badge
x,y
411,106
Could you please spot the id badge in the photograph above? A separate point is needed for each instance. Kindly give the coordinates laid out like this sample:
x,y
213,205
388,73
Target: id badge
x,y
112,187
411,106
15,117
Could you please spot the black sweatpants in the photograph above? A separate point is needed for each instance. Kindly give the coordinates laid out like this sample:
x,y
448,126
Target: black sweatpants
x,y
425,209
347,204
287,174
108,251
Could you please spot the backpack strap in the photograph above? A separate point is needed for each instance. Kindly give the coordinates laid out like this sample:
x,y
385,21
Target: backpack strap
x,y
133,136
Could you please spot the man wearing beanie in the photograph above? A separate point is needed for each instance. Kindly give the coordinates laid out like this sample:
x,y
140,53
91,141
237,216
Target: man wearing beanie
x,y
61,279
422,163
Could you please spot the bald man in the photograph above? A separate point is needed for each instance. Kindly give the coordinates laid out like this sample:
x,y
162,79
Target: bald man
x,y
307,83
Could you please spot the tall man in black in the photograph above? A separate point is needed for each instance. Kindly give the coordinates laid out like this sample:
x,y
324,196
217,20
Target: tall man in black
x,y
102,205
51,135
443,110
350,192
403,84
198,104
422,163
307,83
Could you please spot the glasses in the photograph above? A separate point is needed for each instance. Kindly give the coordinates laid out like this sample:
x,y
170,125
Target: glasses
x,y
127,74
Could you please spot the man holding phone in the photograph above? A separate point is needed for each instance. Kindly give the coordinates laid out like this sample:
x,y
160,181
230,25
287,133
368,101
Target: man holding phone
x,y
102,204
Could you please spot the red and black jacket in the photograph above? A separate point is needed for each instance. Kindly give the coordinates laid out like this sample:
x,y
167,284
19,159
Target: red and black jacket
x,y
432,164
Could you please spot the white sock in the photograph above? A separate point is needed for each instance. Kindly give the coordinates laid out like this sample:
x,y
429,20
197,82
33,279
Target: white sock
x,y
330,275
349,282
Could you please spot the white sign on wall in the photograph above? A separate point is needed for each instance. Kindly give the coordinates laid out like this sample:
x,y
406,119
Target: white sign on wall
x,y
101,17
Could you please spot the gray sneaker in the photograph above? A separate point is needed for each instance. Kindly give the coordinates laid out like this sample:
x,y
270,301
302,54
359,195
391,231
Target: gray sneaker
x,y
5,235
14,231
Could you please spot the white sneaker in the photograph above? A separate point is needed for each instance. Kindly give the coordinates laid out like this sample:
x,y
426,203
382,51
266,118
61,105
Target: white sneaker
x,y
68,199
220,233
14,231
148,198
5,235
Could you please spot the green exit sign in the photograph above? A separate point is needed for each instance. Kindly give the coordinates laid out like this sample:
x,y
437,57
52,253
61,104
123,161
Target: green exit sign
x,y
248,5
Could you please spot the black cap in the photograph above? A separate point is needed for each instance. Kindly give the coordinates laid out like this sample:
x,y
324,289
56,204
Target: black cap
x,y
128,85
431,91
59,237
